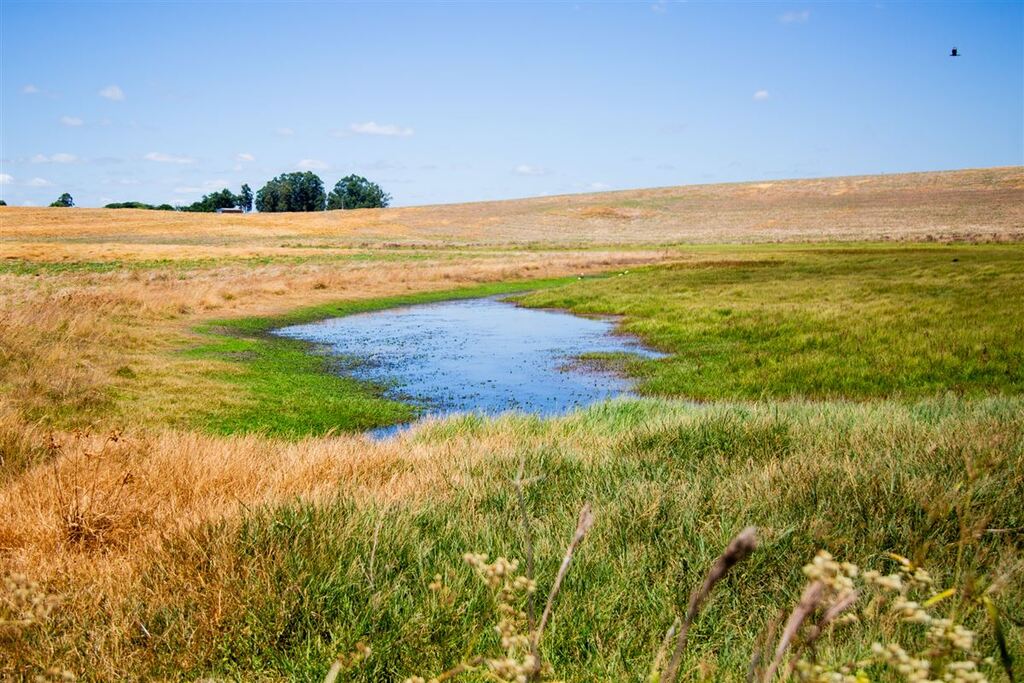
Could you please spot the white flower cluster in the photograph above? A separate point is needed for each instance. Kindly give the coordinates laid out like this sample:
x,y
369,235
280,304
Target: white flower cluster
x,y
951,656
55,675
837,576
512,669
891,582
518,664
815,673
500,574
944,631
24,602
913,669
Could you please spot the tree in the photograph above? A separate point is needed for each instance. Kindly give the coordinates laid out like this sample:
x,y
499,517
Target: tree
x,y
3,203
246,197
129,205
356,192
64,200
224,199
299,191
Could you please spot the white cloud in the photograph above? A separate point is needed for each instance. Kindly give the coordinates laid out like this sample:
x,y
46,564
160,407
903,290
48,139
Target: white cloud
x,y
39,182
286,132
188,190
528,169
168,158
761,96
597,187
112,92
129,181
6,179
795,17
30,89
660,7
245,156
312,165
386,129
58,158
72,121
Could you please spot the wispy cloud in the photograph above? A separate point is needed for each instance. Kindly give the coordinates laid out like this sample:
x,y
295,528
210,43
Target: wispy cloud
x,y
245,156
168,158
312,165
761,96
598,187
286,132
112,92
659,7
529,169
385,129
6,179
30,89
58,158
71,121
39,182
795,17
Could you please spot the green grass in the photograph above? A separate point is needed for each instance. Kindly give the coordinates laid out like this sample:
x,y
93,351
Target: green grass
x,y
821,322
670,485
862,321
288,389
864,399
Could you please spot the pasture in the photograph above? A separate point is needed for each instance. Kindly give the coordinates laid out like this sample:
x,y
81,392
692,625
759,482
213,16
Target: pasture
x,y
845,371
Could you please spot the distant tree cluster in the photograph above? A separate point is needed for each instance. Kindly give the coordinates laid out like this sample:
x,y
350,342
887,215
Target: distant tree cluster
x,y
225,199
298,191
3,203
139,205
356,192
304,191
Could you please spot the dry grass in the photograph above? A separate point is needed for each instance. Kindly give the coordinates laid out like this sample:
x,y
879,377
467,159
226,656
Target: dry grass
x,y
974,204
112,500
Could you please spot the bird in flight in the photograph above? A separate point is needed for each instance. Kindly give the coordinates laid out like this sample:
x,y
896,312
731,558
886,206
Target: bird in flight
x,y
954,53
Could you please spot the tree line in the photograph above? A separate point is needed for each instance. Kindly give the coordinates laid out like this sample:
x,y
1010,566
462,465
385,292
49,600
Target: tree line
x,y
298,191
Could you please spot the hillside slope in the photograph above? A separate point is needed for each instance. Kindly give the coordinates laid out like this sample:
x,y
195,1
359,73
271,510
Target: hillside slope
x,y
980,204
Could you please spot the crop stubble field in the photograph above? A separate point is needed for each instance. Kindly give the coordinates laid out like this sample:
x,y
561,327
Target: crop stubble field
x,y
845,373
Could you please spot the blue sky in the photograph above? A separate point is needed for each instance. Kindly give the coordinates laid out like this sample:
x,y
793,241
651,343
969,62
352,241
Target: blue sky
x,y
164,101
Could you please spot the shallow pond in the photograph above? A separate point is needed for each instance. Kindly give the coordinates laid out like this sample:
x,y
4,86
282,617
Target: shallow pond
x,y
482,355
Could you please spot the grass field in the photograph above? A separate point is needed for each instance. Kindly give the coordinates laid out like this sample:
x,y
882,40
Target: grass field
x,y
185,485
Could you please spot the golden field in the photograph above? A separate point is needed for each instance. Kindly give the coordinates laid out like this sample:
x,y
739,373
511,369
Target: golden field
x,y
982,204
118,500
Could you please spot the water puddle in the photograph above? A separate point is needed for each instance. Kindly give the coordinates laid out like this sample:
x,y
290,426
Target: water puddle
x,y
476,355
